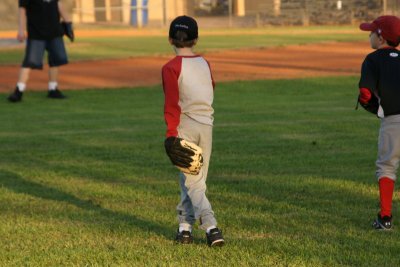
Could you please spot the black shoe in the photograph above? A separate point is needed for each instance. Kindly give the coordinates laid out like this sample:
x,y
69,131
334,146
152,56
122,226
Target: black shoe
x,y
184,237
382,223
16,96
215,238
55,94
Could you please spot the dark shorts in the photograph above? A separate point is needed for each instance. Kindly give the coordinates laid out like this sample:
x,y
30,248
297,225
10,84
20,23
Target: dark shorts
x,y
34,53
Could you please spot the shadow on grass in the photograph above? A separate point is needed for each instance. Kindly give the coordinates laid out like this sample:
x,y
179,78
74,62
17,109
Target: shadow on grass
x,y
17,184
298,201
322,219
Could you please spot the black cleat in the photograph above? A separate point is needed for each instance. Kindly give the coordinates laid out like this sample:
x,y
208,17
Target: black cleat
x,y
215,238
16,96
55,94
184,237
383,223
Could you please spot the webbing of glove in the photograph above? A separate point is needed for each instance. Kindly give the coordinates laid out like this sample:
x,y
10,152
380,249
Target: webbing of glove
x,y
68,30
186,156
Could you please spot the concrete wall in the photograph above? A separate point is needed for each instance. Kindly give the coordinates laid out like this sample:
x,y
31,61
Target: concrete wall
x,y
172,9
315,12
248,13
119,11
9,13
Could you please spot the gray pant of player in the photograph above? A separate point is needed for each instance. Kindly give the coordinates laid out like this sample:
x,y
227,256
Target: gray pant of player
x,y
388,148
194,203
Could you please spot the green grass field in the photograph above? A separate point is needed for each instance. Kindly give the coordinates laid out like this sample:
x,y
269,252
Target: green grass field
x,y
86,182
92,48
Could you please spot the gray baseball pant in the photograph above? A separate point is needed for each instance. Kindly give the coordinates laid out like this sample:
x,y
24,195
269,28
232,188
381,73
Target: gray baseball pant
x,y
194,203
388,147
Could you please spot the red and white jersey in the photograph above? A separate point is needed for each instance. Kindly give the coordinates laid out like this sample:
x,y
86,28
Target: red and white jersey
x,y
189,89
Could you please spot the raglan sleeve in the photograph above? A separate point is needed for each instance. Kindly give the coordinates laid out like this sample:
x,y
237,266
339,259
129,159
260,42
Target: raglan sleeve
x,y
172,110
211,73
23,3
369,75
368,86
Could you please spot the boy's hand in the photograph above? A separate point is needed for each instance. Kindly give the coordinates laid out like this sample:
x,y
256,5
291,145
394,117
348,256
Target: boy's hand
x,y
68,30
21,36
368,100
185,155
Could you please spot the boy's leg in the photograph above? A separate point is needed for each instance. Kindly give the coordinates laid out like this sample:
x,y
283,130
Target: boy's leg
x,y
23,76
33,59
185,216
185,207
386,188
34,54
387,165
53,74
53,84
194,186
53,78
57,56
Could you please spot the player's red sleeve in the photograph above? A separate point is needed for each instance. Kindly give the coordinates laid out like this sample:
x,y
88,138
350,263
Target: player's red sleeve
x,y
365,95
172,110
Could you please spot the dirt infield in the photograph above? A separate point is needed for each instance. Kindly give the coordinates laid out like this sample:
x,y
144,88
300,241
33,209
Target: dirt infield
x,y
328,59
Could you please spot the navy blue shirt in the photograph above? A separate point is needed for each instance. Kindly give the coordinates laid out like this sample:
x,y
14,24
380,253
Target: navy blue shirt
x,y
380,73
43,19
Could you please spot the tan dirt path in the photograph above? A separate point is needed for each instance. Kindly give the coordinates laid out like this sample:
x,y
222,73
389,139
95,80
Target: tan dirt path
x,y
327,59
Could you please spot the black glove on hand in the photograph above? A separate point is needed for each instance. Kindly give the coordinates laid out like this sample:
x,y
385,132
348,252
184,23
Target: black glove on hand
x,y
68,30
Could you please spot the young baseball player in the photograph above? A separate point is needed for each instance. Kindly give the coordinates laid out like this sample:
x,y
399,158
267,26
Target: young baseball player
x,y
42,19
380,94
189,90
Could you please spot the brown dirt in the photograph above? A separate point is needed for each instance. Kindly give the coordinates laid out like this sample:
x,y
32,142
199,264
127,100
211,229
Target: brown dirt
x,y
328,59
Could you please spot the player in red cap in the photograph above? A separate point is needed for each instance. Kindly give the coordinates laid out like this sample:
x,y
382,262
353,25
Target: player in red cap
x,y
380,94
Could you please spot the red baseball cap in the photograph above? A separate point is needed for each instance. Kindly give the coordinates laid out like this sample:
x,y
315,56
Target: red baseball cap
x,y
387,26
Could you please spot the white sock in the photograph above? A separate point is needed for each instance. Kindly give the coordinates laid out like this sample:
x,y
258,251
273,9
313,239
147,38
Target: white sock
x,y
210,228
53,86
185,227
21,86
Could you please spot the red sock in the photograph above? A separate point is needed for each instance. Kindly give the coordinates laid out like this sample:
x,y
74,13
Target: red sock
x,y
386,188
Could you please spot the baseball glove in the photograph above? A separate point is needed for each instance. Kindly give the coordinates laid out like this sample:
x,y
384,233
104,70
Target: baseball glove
x,y
371,105
68,30
185,155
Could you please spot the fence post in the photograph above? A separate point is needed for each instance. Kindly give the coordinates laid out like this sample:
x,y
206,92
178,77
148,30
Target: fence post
x,y
305,18
134,19
277,8
145,12
230,13
258,20
107,6
164,13
384,7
